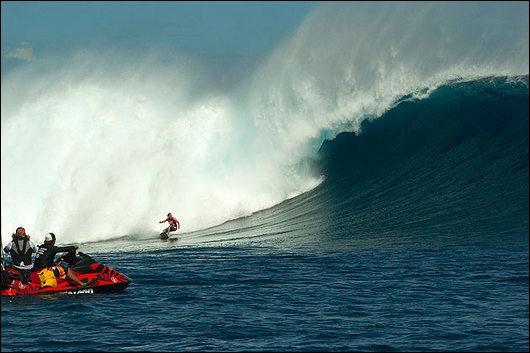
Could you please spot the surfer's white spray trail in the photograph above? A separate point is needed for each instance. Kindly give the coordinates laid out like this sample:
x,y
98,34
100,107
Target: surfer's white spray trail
x,y
99,145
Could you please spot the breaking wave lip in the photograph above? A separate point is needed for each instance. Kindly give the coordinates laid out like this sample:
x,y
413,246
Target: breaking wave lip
x,y
101,126
454,164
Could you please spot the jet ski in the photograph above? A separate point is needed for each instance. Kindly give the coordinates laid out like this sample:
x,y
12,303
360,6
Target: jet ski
x,y
102,279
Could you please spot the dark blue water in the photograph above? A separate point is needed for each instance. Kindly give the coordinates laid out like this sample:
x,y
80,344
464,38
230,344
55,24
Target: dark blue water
x,y
471,297
416,240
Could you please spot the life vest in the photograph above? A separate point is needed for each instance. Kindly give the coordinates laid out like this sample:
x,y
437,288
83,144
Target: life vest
x,y
47,277
21,251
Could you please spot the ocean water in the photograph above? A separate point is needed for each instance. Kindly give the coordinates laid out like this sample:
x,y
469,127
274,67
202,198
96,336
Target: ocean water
x,y
237,298
417,239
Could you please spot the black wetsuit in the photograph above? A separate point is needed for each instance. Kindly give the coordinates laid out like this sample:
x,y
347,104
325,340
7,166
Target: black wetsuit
x,y
21,249
46,255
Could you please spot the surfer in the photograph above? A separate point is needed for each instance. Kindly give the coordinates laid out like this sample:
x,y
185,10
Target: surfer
x,y
174,225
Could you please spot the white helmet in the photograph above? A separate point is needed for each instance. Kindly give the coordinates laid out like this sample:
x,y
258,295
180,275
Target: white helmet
x,y
49,237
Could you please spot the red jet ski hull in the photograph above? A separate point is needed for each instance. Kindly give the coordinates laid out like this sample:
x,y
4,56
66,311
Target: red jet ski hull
x,y
86,269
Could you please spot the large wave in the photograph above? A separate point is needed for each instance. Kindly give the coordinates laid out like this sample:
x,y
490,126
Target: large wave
x,y
453,165
101,144
449,168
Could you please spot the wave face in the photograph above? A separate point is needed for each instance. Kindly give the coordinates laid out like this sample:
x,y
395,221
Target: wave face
x,y
102,144
453,164
450,167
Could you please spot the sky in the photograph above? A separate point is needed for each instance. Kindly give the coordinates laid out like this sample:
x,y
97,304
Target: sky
x,y
33,29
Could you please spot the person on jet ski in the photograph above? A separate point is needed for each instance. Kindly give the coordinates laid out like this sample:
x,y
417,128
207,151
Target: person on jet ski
x,y
45,261
174,224
21,249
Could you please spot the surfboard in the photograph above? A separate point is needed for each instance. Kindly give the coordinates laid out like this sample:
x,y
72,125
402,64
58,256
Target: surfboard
x,y
164,236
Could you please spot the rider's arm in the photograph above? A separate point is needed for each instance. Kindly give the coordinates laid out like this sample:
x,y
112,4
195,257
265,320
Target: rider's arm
x,y
165,220
58,249
8,247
